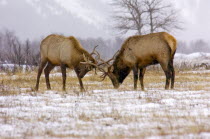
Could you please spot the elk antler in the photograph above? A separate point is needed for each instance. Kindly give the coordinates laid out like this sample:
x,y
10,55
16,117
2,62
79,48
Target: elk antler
x,y
107,62
103,76
96,66
105,73
94,51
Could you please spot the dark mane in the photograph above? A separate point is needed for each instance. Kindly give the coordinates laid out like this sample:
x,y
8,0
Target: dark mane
x,y
123,73
120,69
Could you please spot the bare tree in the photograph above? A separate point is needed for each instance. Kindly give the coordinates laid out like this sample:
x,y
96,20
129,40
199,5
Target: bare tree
x,y
145,16
129,15
17,55
13,49
27,54
161,16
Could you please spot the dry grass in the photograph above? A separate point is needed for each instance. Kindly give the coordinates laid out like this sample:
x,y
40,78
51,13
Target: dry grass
x,y
101,112
153,79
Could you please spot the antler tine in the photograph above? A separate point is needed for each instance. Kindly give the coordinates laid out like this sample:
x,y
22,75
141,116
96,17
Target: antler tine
x,y
90,63
107,62
103,76
94,50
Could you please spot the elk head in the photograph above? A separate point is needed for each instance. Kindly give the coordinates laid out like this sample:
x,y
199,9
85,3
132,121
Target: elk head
x,y
117,72
85,66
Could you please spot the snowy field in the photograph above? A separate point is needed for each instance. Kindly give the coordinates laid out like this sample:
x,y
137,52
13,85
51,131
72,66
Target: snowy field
x,y
103,112
106,113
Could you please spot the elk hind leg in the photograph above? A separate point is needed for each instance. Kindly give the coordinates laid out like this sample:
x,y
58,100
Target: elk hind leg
x,y
41,67
172,74
63,70
167,72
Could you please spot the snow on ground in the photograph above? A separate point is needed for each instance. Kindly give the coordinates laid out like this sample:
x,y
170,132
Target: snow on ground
x,y
192,59
193,56
106,113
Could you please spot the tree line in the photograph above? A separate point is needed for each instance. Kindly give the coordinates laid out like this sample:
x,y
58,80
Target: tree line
x,y
15,51
18,52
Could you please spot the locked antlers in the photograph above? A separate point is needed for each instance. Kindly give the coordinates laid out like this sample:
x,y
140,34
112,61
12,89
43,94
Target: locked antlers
x,y
102,64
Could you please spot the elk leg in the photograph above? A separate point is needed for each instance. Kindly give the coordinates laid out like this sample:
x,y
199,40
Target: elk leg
x,y
81,85
167,71
168,77
80,81
47,72
172,74
63,70
141,77
135,77
41,66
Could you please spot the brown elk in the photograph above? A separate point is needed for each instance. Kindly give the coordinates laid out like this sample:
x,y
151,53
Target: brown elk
x,y
57,50
140,51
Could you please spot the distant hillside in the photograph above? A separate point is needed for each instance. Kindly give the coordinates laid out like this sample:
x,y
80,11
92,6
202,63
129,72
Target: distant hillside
x,y
33,19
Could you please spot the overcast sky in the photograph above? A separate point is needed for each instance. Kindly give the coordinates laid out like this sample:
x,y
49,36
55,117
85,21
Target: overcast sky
x,y
89,18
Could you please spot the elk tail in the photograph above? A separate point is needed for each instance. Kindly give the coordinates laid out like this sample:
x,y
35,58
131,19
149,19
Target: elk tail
x,y
172,43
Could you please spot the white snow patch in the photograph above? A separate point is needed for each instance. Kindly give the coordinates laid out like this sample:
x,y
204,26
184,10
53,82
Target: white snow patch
x,y
103,112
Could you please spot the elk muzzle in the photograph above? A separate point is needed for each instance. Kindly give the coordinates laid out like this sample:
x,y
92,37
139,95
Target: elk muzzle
x,y
114,80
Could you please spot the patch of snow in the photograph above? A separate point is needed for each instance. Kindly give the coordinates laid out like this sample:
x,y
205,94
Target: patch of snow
x,y
197,72
103,112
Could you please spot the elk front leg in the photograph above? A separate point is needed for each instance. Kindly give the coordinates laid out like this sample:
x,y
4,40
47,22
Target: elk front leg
x,y
80,80
81,85
141,77
135,77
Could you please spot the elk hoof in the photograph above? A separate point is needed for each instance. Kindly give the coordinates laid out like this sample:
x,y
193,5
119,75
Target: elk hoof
x,y
35,89
82,90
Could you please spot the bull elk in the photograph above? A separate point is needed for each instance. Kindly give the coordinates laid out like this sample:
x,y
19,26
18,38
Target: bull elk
x,y
57,50
138,52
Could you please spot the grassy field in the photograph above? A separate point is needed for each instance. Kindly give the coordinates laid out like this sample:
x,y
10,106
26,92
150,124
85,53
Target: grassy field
x,y
103,112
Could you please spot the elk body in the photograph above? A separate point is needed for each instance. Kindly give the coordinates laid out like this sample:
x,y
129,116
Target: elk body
x,y
138,52
57,50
